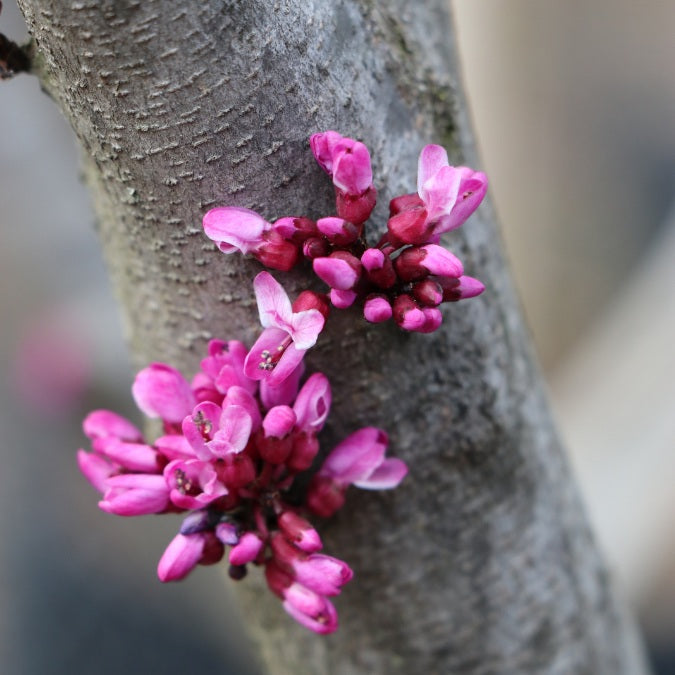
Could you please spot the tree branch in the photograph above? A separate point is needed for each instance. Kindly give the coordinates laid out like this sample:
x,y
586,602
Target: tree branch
x,y
482,560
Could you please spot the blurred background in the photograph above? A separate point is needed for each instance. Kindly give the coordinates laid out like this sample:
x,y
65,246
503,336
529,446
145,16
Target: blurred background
x,y
574,107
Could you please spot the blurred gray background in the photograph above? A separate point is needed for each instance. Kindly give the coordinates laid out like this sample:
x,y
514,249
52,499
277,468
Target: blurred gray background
x,y
574,105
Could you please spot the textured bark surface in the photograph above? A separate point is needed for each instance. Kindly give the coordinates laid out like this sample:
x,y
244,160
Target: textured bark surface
x,y
481,562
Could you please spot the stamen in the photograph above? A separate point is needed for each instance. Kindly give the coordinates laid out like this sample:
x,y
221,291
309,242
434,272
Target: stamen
x,y
203,424
268,360
183,483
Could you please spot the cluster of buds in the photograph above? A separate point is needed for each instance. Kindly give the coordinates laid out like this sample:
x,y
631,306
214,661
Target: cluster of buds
x,y
407,274
234,440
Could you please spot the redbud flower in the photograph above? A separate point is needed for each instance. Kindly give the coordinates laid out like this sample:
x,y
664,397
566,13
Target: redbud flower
x,y
135,494
161,391
287,335
185,552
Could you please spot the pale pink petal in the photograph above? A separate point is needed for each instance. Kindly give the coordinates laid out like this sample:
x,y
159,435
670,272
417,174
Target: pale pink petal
x,y
305,328
471,192
356,457
161,391
180,557
95,469
322,620
269,340
440,193
99,423
352,172
312,404
135,495
235,228
432,159
274,306
234,431
238,396
386,476
323,148
279,421
342,299
175,446
131,456
337,273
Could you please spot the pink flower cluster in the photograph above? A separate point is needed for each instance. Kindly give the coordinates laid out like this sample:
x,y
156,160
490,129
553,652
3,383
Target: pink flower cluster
x,y
234,440
407,275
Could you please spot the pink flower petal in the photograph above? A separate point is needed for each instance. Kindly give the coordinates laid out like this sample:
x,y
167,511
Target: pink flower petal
x,y
95,469
305,328
99,423
386,476
312,404
274,306
161,391
356,457
432,159
235,228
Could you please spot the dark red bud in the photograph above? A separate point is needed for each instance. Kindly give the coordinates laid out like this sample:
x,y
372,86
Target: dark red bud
x,y
408,264
410,227
428,293
324,496
277,253
315,247
305,449
404,203
355,209
213,550
236,470
312,300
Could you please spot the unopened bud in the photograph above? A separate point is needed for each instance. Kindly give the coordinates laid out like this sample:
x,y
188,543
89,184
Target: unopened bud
x,y
355,208
338,231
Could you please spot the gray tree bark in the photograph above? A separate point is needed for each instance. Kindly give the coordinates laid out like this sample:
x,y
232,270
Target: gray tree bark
x,y
482,561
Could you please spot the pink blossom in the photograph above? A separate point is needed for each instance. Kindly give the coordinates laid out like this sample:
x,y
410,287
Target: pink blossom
x,y
347,161
342,299
161,391
417,262
287,335
359,460
193,483
235,229
450,194
95,469
299,532
213,431
135,494
225,366
312,404
460,289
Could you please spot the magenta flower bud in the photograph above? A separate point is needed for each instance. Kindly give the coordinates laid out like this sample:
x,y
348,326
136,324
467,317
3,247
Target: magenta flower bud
x,y
410,226
428,293
279,421
323,148
432,320
294,229
315,247
322,618
235,229
236,471
95,469
311,300
161,391
285,553
340,270
312,404
300,532
228,533
322,574
101,423
355,208
277,253
305,449
135,494
342,299
247,550
352,173
461,288
472,188
377,309
338,231
180,557
416,263
379,267
404,203
407,314
325,496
